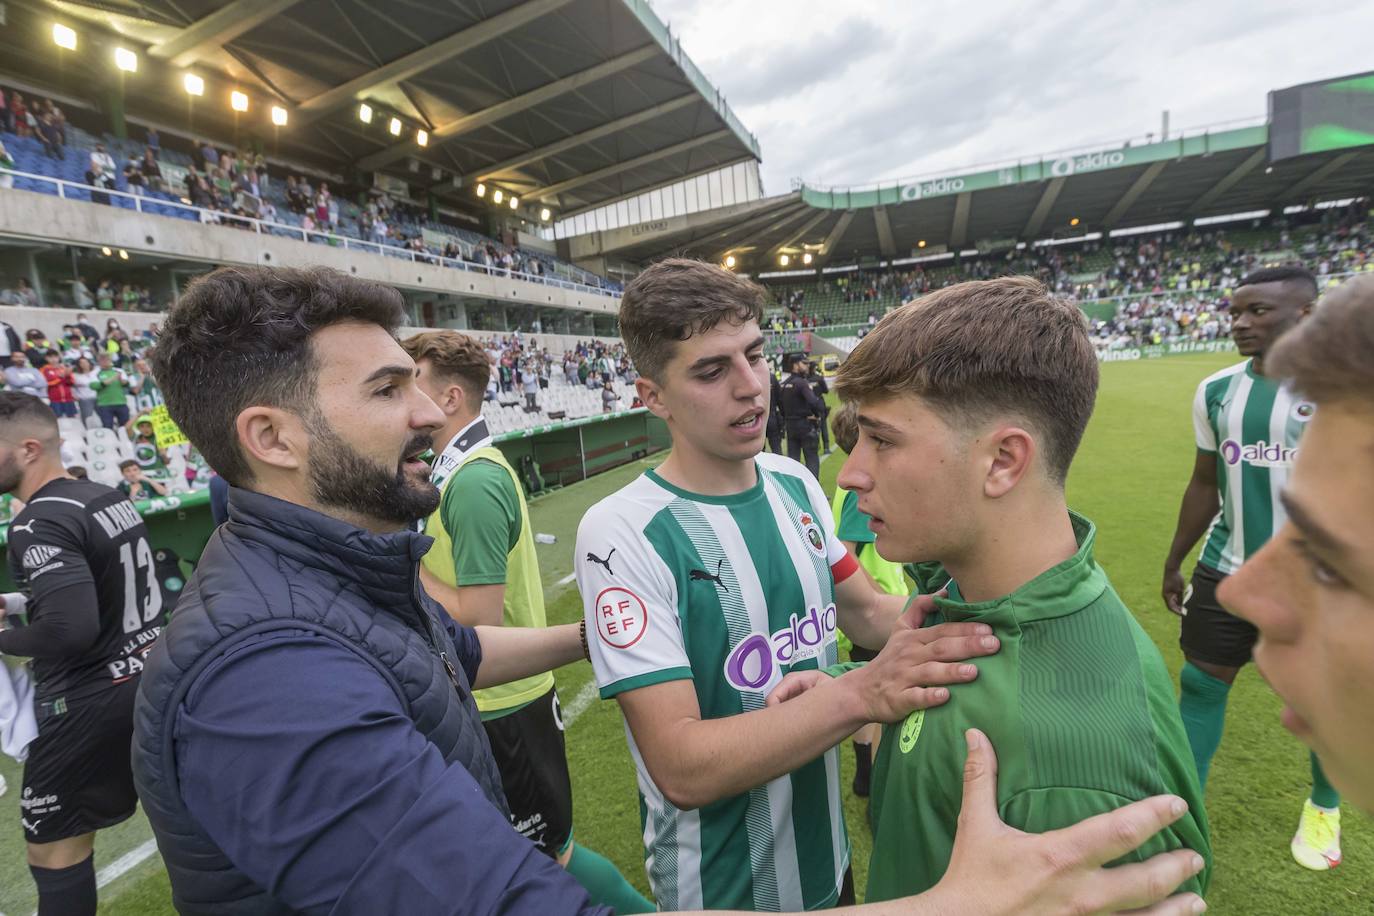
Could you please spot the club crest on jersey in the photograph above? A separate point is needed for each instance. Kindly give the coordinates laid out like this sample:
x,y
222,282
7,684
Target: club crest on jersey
x,y
1303,411
759,657
1261,454
813,533
38,555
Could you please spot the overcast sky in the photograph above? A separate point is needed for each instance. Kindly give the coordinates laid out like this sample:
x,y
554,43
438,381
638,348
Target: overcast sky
x,y
845,92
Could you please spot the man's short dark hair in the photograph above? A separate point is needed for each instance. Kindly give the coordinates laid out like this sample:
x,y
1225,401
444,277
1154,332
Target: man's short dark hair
x,y
127,463
676,298
1326,358
240,336
1291,273
454,356
983,347
16,408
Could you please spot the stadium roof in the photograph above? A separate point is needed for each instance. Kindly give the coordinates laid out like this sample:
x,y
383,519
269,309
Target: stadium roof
x,y
572,103
1208,173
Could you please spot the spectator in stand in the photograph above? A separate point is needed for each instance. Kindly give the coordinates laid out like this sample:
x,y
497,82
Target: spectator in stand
x,y
529,383
50,135
153,141
87,329
133,177
136,485
74,347
100,174
111,395
322,205
36,347
61,385
152,172
28,296
20,376
6,121
609,397
81,293
19,114
104,298
83,375
6,166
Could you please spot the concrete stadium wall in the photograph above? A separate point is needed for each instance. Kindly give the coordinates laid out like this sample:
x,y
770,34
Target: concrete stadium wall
x,y
41,217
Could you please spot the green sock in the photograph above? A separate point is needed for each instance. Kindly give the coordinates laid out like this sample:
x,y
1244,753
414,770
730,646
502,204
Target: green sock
x,y
1324,795
604,884
1202,703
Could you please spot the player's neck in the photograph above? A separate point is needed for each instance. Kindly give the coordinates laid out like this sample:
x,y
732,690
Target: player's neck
x,y
707,475
455,425
1022,542
1257,364
38,477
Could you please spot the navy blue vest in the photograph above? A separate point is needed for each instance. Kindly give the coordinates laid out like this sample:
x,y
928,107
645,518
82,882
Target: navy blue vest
x,y
278,566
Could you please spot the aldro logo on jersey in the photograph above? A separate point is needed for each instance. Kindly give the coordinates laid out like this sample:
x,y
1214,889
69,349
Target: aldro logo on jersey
x,y
1261,454
759,656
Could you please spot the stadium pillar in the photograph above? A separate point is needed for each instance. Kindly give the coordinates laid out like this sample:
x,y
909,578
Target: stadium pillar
x,y
118,127
582,452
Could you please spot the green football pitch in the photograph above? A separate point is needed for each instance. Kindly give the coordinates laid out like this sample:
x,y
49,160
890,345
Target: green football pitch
x,y
1128,477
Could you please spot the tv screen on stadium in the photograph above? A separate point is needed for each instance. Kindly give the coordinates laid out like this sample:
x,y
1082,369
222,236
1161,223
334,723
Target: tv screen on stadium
x,y
1316,117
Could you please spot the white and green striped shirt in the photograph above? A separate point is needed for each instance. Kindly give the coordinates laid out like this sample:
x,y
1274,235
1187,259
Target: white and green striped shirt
x,y
1252,424
730,593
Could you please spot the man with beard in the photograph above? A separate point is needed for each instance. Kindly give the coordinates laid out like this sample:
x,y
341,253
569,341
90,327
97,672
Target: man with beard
x,y
307,738
80,556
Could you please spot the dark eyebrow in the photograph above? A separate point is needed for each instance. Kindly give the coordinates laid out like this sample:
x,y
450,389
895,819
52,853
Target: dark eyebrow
x,y
878,426
707,361
391,372
1311,528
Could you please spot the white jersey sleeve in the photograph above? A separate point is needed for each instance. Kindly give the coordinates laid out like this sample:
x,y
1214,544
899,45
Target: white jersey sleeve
x,y
1203,433
629,600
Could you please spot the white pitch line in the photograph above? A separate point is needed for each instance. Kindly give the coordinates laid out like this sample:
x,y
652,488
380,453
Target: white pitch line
x,y
126,863
568,578
580,703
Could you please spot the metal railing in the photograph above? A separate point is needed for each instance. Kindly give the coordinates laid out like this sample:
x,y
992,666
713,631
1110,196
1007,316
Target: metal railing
x,y
148,204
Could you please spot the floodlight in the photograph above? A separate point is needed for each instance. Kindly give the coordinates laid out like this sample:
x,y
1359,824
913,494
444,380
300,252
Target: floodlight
x,y
784,260
365,113
497,196
238,101
194,85
514,202
123,255
481,190
730,261
278,116
126,60
422,137
1074,221
806,258
921,243
105,250
545,213
64,37
395,127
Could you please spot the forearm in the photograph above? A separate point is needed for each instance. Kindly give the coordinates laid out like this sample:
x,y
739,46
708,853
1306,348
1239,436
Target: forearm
x,y
1201,502
711,759
512,653
67,624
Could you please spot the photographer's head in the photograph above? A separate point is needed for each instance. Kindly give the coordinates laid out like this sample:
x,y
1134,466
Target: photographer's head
x,y
291,383
30,445
1311,589
972,401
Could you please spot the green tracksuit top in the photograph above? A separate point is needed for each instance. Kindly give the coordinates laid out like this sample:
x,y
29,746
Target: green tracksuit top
x,y
1081,712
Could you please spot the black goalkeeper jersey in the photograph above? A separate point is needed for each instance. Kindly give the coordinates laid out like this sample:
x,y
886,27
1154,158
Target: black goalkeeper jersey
x,y
78,542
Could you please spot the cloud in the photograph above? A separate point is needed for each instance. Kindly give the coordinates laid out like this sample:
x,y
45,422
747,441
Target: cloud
x,y
848,94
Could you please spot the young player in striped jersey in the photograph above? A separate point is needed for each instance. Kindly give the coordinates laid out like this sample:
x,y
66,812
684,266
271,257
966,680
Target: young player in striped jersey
x,y
708,579
1247,427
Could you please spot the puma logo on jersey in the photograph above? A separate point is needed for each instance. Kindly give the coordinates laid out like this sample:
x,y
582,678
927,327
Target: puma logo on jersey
x,y
27,526
31,828
593,558
701,575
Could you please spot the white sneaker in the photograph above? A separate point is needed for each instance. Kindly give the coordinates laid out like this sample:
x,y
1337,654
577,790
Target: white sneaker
x,y
1317,844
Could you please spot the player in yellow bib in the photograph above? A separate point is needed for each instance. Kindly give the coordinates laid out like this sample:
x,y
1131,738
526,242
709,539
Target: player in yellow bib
x,y
483,568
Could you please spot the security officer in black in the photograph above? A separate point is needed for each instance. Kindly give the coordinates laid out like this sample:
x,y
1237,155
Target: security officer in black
x,y
819,386
802,412
774,429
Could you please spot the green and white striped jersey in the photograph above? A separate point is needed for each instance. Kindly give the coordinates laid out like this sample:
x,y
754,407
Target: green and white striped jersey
x,y
1252,424
730,593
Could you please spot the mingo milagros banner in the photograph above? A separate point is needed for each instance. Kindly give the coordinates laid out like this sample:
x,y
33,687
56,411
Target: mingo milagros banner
x,y
1156,351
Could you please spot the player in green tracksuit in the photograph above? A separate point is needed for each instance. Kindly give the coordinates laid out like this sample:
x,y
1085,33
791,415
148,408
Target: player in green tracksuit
x,y
972,402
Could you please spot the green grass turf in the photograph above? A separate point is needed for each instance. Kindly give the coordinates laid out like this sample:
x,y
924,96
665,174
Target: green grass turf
x,y
1128,478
